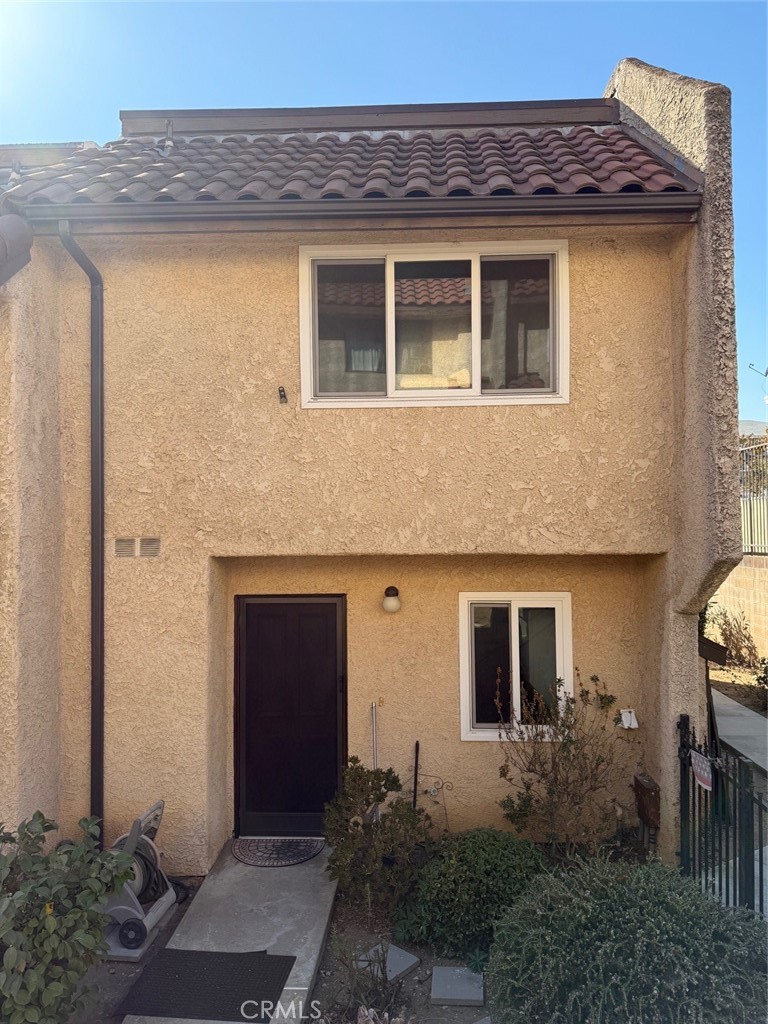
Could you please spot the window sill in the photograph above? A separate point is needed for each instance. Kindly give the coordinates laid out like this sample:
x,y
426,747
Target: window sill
x,y
427,402
524,732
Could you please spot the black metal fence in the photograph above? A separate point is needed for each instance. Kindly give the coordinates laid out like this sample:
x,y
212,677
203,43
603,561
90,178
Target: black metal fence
x,y
753,487
723,819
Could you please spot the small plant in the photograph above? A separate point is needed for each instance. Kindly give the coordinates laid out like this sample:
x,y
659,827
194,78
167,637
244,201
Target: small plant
x,y
762,673
51,918
477,961
472,879
565,761
614,943
736,635
378,840
363,981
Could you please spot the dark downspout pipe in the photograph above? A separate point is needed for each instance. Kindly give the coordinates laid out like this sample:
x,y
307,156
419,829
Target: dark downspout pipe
x,y
97,521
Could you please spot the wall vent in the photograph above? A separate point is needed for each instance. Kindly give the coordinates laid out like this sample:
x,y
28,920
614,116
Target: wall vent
x,y
125,547
149,547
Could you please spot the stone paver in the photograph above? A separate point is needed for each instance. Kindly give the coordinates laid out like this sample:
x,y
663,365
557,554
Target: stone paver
x,y
400,963
456,986
240,908
743,730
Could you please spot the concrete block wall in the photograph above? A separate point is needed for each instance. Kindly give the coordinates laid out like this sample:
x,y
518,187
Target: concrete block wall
x,y
746,590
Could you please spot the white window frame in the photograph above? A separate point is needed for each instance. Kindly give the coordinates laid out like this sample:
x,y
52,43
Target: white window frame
x,y
561,602
472,251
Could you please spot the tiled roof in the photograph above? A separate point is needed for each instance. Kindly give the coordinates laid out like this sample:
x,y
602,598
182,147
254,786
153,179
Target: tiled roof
x,y
356,165
429,291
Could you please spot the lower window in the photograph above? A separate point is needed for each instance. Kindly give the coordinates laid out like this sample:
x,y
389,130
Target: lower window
x,y
514,649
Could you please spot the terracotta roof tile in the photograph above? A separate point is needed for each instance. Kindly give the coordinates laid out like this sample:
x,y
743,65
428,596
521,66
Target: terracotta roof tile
x,y
430,291
393,164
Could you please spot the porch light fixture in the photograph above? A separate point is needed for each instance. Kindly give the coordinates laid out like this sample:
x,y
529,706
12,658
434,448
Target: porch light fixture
x,y
391,602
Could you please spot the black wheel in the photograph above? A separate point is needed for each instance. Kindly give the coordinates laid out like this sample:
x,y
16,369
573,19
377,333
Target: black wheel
x,y
181,890
132,933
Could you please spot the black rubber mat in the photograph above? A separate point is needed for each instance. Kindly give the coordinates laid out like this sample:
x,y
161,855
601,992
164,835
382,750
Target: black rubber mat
x,y
197,985
276,853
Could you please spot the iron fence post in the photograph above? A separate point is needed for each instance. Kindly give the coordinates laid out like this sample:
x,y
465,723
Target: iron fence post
x,y
746,835
684,725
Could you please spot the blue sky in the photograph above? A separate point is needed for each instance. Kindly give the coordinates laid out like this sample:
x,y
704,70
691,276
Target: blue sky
x,y
67,68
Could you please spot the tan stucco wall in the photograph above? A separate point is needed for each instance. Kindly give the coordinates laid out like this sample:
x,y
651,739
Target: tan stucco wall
x,y
691,120
407,663
199,334
30,541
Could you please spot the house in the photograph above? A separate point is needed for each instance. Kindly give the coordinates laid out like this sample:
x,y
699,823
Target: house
x,y
283,361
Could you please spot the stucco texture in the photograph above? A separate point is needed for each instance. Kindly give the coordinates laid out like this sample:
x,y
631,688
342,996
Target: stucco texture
x,y
691,119
408,663
614,497
199,335
30,540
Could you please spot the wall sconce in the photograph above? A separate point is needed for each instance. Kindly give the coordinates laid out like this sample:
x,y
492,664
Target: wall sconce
x,y
628,719
391,602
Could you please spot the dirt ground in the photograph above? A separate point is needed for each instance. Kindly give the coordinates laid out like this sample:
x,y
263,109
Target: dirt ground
x,y
739,684
109,982
412,1002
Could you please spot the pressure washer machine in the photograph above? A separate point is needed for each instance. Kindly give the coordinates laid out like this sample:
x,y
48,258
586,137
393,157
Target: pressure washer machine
x,y
146,899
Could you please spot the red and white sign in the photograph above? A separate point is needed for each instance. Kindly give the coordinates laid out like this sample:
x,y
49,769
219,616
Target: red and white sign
x,y
702,769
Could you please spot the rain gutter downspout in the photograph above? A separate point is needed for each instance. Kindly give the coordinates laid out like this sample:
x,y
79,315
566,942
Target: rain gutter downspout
x,y
97,520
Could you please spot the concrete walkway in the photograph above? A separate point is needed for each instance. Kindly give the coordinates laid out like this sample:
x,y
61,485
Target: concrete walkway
x,y
240,908
742,730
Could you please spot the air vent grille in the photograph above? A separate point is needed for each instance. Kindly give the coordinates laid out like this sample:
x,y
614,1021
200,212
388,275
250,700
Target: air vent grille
x,y
149,547
125,547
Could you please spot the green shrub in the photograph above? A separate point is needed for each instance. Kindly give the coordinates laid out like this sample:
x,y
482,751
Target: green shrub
x,y
51,920
378,840
613,943
475,876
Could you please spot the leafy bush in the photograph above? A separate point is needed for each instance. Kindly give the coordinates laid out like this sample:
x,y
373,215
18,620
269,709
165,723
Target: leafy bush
x,y
736,635
565,761
473,878
51,920
378,840
762,675
613,943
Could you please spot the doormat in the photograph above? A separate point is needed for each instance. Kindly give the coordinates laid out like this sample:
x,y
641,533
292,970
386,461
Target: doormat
x,y
196,985
278,852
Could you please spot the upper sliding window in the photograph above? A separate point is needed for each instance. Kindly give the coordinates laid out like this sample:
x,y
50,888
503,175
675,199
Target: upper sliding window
x,y
480,325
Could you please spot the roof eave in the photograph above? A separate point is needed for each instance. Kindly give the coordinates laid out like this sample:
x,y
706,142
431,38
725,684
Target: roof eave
x,y
375,209
600,110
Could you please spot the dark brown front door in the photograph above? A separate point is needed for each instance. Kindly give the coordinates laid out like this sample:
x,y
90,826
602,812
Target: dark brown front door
x,y
290,709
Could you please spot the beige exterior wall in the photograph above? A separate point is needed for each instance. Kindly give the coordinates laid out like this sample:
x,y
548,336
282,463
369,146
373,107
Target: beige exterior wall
x,y
30,542
599,497
691,119
408,663
199,334
181,745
